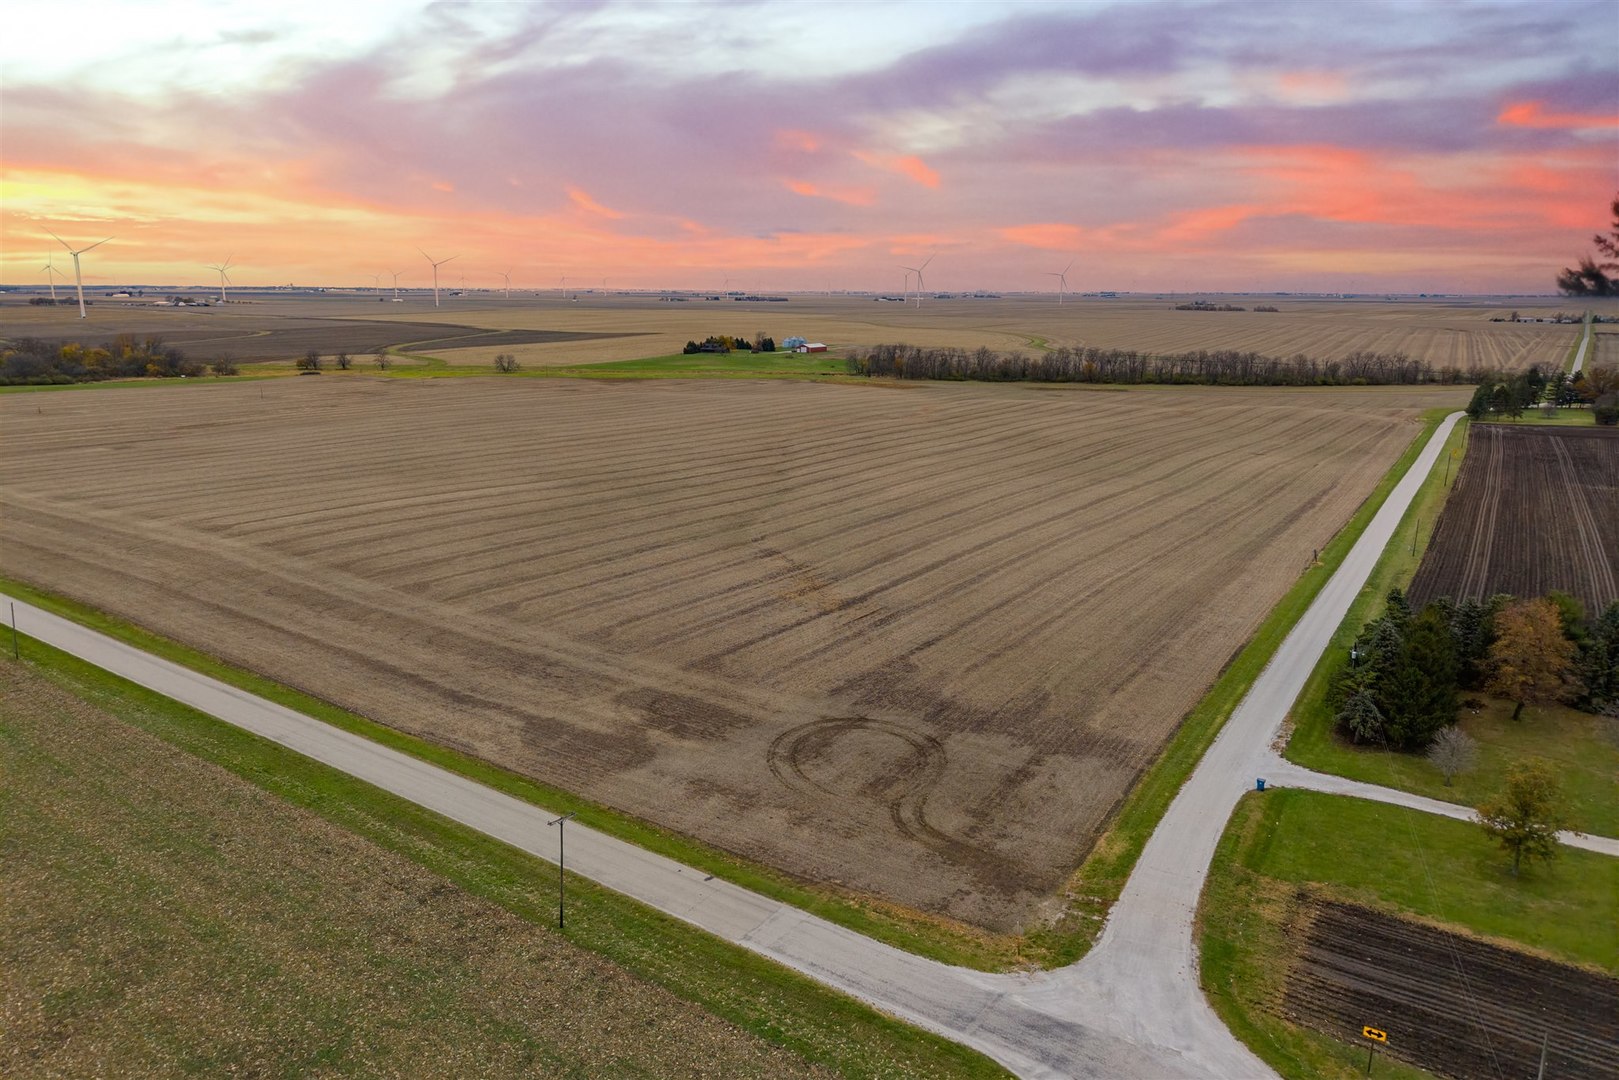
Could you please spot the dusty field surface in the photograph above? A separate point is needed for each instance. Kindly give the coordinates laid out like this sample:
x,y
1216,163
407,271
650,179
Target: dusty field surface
x,y
1456,333
1451,1004
1604,351
1534,509
917,642
164,918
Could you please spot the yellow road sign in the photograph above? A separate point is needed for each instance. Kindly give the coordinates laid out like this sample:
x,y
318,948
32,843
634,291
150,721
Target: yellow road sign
x,y
1375,1034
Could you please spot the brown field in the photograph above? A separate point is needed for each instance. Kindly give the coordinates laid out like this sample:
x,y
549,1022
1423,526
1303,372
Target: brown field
x,y
1450,1003
611,327
164,918
1604,350
917,642
1534,509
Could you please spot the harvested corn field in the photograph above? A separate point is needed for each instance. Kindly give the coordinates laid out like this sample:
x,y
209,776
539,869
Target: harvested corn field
x,y
1535,509
915,642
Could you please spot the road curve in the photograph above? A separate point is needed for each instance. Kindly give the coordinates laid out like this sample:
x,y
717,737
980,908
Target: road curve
x,y
1131,1008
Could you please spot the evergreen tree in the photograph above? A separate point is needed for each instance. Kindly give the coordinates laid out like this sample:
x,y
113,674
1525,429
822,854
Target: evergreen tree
x,y
1361,719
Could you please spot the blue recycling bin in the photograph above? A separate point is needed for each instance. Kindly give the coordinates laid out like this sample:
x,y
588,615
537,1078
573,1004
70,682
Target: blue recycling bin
x,y
1259,785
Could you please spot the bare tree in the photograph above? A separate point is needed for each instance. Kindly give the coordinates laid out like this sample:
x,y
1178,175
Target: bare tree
x,y
382,358
343,361
1453,751
310,361
506,362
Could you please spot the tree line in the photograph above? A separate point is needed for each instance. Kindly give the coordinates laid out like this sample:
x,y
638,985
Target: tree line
x,y
1090,364
1407,669
32,362
1597,387
724,343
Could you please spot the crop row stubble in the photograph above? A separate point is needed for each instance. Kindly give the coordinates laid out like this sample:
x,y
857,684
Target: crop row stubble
x,y
915,642
1535,509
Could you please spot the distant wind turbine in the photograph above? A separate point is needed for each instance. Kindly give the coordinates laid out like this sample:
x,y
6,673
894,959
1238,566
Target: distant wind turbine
x,y
224,278
917,270
905,293
436,265
50,275
1062,279
508,276
78,278
396,274
376,282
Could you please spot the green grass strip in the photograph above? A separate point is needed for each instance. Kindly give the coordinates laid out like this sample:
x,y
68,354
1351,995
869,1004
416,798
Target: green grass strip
x,y
756,994
1100,880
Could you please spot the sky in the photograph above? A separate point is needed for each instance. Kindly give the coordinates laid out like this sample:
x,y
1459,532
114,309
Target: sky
x,y
1361,147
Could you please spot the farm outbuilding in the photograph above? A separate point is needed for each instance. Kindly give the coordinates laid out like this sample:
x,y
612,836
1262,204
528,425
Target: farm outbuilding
x,y
810,346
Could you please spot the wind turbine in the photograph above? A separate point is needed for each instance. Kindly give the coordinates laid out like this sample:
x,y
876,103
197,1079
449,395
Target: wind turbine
x,y
50,275
224,278
376,282
78,279
905,292
508,276
1062,279
436,265
917,270
396,274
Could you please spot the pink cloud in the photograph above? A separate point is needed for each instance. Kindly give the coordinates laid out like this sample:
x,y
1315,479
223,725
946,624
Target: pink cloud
x,y
1533,114
847,196
908,166
584,201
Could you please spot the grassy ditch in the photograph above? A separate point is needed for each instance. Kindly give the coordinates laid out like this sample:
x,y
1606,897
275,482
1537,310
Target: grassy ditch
x,y
1097,884
772,1002
1387,857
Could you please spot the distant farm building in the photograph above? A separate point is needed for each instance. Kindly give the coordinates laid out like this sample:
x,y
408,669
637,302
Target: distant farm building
x,y
809,347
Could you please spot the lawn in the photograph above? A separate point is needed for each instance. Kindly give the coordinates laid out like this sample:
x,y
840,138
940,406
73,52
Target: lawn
x,y
197,931
1387,857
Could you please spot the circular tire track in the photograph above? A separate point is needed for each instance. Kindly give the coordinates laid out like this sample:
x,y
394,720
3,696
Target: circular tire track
x,y
903,788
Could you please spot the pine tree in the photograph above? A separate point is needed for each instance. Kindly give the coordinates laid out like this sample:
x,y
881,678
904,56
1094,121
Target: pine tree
x,y
1361,719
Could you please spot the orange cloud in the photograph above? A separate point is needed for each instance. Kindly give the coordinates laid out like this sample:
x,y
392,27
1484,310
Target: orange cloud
x,y
1197,225
1533,114
442,185
584,201
1051,236
847,196
798,140
909,166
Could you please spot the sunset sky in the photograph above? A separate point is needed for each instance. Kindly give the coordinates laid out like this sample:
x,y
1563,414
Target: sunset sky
x,y
1313,147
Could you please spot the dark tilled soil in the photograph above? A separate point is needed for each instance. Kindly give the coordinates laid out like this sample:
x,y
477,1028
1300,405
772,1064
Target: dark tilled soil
x,y
1451,1004
1535,509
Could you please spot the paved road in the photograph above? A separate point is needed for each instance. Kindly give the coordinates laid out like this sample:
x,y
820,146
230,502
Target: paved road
x,y
1279,772
1585,344
1130,1008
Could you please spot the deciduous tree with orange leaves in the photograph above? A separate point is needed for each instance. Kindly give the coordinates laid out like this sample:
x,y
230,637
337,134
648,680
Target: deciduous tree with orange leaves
x,y
1531,658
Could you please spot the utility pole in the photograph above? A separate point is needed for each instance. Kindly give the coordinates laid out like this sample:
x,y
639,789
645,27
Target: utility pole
x,y
562,903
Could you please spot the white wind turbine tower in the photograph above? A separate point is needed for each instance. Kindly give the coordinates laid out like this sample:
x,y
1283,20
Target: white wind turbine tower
x,y
376,282
1062,279
917,270
78,278
905,291
436,265
224,278
508,276
396,274
50,275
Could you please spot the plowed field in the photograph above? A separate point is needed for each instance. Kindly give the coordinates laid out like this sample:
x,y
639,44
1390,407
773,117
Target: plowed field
x,y
919,642
1534,509
1451,1004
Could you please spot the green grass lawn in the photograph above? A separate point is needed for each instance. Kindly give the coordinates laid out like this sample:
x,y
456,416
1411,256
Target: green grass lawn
x,y
716,364
1386,857
756,994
